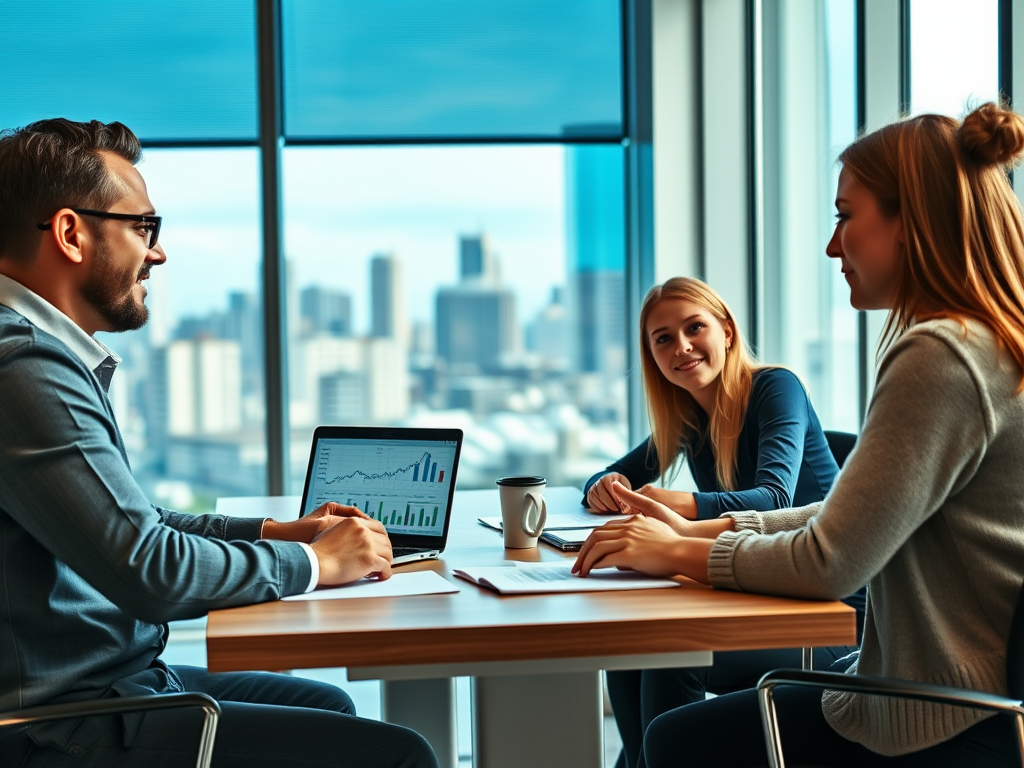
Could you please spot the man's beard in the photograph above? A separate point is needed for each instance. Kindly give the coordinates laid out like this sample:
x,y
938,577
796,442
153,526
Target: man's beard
x,y
109,291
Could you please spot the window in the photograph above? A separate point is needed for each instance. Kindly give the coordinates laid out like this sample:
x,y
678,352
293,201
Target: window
x,y
189,392
954,55
810,99
187,74
452,68
471,286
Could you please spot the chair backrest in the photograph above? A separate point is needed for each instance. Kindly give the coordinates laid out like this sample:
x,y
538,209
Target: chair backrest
x,y
840,443
1015,652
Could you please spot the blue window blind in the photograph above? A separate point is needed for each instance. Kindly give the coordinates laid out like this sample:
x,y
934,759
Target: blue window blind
x,y
419,69
171,70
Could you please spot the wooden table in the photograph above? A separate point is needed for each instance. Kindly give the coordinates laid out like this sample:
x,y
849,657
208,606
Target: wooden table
x,y
535,660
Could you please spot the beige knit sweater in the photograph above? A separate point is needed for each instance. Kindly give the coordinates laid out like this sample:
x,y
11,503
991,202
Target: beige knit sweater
x,y
929,510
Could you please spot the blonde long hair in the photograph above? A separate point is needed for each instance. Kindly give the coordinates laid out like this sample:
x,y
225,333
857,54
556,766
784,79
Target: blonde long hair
x,y
672,411
964,252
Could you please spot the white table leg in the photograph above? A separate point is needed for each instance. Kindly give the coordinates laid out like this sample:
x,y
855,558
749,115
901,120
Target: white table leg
x,y
428,707
542,721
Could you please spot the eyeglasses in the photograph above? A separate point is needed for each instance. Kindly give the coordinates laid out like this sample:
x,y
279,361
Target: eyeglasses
x,y
151,224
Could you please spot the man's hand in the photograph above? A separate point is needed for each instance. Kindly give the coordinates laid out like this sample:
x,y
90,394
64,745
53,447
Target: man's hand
x,y
600,499
308,527
352,548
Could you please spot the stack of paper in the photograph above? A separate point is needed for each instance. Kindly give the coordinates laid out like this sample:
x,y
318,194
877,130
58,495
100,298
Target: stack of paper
x,y
526,578
557,521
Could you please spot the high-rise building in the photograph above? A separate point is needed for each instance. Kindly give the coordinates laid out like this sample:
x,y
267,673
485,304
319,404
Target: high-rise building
x,y
323,310
350,381
546,335
243,323
387,300
312,358
343,398
203,388
385,362
476,325
596,256
477,262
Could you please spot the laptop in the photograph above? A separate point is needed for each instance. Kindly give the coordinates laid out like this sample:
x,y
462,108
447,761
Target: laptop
x,y
402,476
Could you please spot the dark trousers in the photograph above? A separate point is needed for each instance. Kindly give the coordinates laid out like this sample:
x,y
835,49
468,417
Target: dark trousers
x,y
266,720
639,696
726,732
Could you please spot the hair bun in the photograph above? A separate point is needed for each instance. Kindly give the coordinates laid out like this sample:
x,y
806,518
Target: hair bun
x,y
992,135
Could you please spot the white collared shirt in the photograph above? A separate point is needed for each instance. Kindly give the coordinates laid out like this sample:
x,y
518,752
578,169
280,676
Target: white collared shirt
x,y
43,315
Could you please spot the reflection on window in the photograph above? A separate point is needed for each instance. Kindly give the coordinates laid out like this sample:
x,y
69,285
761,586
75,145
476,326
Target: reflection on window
x,y
452,68
189,393
478,287
810,326
169,69
954,49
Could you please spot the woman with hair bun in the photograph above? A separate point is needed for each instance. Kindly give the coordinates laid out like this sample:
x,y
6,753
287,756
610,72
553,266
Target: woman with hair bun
x,y
928,509
751,439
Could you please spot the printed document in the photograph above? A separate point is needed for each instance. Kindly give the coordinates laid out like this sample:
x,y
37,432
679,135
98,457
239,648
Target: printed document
x,y
399,585
559,521
527,578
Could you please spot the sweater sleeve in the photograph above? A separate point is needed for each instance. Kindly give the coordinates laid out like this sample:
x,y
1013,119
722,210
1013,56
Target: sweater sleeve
x,y
777,520
779,407
924,437
640,466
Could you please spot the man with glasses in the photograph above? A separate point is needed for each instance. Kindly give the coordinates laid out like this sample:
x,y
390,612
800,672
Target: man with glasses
x,y
89,569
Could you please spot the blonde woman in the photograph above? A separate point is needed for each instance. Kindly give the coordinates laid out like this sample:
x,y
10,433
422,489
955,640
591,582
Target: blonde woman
x,y
928,508
752,441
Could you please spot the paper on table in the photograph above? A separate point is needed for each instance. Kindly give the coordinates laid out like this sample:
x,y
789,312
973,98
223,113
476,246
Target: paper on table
x,y
557,521
399,585
526,578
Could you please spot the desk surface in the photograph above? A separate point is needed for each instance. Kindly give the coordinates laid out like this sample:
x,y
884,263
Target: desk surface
x,y
477,625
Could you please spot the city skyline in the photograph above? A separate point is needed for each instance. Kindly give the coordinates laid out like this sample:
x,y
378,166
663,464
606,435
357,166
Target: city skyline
x,y
471,337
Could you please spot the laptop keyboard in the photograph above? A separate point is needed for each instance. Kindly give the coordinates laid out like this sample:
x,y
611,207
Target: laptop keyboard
x,y
399,551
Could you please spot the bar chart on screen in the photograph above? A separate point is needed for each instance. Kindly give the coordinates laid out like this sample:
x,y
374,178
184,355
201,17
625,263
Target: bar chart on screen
x,y
404,486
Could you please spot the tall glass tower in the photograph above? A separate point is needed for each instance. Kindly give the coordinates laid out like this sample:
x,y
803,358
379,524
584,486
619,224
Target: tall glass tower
x,y
596,258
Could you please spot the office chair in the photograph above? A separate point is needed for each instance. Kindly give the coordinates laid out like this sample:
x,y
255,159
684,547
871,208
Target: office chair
x,y
210,709
840,443
890,687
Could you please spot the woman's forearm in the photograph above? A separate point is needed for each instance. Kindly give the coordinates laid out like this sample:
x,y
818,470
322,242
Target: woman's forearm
x,y
692,558
710,529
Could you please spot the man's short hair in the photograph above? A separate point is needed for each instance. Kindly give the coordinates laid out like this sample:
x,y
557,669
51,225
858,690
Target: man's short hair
x,y
54,164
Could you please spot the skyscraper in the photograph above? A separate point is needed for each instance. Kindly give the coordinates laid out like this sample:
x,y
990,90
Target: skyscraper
x,y
596,255
476,320
476,325
327,311
546,335
477,262
388,302
203,387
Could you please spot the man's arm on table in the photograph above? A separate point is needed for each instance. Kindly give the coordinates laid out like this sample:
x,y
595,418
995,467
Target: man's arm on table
x,y
67,484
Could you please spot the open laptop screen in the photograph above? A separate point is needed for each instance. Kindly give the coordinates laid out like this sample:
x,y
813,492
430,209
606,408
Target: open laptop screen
x,y
403,477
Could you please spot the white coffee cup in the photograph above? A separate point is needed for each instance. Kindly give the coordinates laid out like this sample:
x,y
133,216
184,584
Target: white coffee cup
x,y
524,512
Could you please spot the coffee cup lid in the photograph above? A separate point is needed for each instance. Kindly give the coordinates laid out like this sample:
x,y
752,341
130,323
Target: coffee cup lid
x,y
520,481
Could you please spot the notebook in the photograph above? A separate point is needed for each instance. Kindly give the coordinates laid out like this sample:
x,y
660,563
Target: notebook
x,y
402,476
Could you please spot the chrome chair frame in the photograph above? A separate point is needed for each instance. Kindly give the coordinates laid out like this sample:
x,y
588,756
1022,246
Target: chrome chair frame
x,y
876,686
49,712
